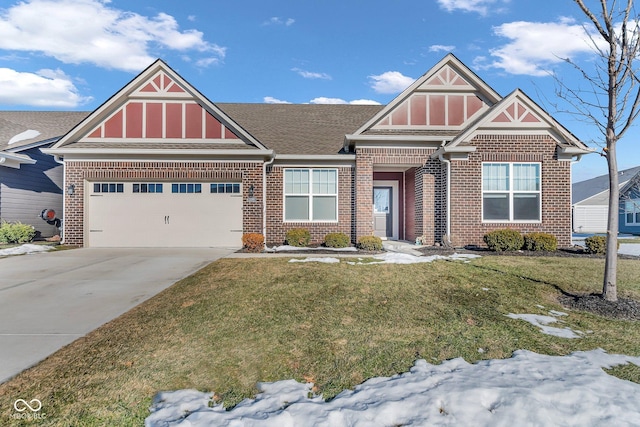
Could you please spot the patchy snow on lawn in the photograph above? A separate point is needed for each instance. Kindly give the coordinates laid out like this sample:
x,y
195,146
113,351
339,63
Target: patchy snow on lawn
x,y
25,249
285,248
327,260
527,389
402,258
542,322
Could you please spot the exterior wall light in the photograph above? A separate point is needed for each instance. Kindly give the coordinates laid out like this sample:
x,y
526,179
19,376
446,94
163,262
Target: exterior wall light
x,y
71,189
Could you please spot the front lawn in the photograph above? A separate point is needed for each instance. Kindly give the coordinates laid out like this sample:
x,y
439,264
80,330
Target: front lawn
x,y
241,321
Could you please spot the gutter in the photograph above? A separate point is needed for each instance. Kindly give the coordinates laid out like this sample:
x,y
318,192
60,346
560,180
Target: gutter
x,y
448,227
57,159
272,157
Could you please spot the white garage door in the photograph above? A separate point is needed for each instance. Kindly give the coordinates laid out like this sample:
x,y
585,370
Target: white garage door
x,y
164,214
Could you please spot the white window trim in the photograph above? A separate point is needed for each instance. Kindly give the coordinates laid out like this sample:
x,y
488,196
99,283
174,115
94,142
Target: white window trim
x,y
310,195
636,203
510,192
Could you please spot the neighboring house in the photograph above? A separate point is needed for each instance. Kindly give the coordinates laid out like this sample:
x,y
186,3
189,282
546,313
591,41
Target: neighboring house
x,y
31,181
590,199
630,205
449,159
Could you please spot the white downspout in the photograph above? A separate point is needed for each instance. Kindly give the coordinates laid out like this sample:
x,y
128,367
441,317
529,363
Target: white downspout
x,y
264,195
578,157
56,158
448,163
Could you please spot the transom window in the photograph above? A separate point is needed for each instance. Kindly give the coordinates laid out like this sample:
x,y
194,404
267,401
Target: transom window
x,y
186,188
632,212
108,187
511,192
147,187
310,195
225,187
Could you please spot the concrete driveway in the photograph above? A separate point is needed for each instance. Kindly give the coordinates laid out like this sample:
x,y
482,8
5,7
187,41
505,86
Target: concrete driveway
x,y
48,300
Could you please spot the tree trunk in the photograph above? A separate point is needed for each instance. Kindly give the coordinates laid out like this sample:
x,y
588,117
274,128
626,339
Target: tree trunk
x,y
609,288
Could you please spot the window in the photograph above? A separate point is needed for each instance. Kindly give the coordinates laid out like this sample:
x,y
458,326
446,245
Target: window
x,y
108,187
225,187
186,188
147,188
511,192
310,195
632,212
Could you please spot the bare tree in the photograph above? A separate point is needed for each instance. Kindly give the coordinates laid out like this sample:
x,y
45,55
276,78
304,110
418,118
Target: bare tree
x,y
611,101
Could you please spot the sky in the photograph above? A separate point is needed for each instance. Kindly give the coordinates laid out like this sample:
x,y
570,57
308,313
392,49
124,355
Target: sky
x,y
75,54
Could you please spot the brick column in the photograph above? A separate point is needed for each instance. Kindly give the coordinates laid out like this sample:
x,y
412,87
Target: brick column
x,y
364,194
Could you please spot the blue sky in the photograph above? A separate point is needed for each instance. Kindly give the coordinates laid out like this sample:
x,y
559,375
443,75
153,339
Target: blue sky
x,y
75,54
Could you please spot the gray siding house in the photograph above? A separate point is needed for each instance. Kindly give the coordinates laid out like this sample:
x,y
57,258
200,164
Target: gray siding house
x,y
590,202
31,181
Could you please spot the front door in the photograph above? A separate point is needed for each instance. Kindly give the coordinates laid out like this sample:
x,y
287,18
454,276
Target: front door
x,y
382,212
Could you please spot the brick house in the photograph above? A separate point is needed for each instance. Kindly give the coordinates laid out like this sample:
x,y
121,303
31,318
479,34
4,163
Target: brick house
x,y
449,159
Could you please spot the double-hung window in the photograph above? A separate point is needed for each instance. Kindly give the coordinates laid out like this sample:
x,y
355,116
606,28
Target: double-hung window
x,y
511,192
310,195
632,212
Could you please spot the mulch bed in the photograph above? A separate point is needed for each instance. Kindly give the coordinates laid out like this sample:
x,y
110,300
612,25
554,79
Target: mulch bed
x,y
623,308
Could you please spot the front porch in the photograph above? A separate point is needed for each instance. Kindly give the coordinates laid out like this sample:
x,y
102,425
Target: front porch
x,y
399,195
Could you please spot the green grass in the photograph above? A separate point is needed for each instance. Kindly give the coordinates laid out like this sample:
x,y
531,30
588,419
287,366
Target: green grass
x,y
636,241
238,322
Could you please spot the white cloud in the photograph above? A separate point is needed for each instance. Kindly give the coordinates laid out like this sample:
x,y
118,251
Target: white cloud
x,y
535,47
390,82
441,48
276,20
311,75
478,6
272,100
88,31
45,88
326,100
364,102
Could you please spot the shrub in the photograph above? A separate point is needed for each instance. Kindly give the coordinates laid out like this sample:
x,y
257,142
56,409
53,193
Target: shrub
x,y
253,242
540,242
298,237
597,244
336,240
16,232
504,240
370,243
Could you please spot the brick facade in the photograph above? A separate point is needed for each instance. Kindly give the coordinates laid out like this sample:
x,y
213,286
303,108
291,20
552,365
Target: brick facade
x,y
427,190
277,227
466,187
79,172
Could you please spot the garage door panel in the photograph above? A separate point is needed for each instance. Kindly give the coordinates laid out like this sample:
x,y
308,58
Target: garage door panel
x,y
164,219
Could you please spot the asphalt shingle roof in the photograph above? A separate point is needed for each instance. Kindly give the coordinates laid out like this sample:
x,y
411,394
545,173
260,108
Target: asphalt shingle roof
x,y
300,128
584,189
49,124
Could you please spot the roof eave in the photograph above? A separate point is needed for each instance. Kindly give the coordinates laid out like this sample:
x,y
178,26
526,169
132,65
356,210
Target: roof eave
x,y
178,153
11,160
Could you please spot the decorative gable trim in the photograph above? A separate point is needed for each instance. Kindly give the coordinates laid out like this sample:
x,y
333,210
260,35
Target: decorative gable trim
x,y
157,106
518,114
445,97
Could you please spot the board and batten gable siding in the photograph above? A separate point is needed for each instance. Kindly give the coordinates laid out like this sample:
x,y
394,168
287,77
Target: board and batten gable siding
x,y
25,192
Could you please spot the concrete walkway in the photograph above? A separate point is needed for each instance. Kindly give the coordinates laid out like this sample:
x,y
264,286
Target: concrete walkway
x,y
48,300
